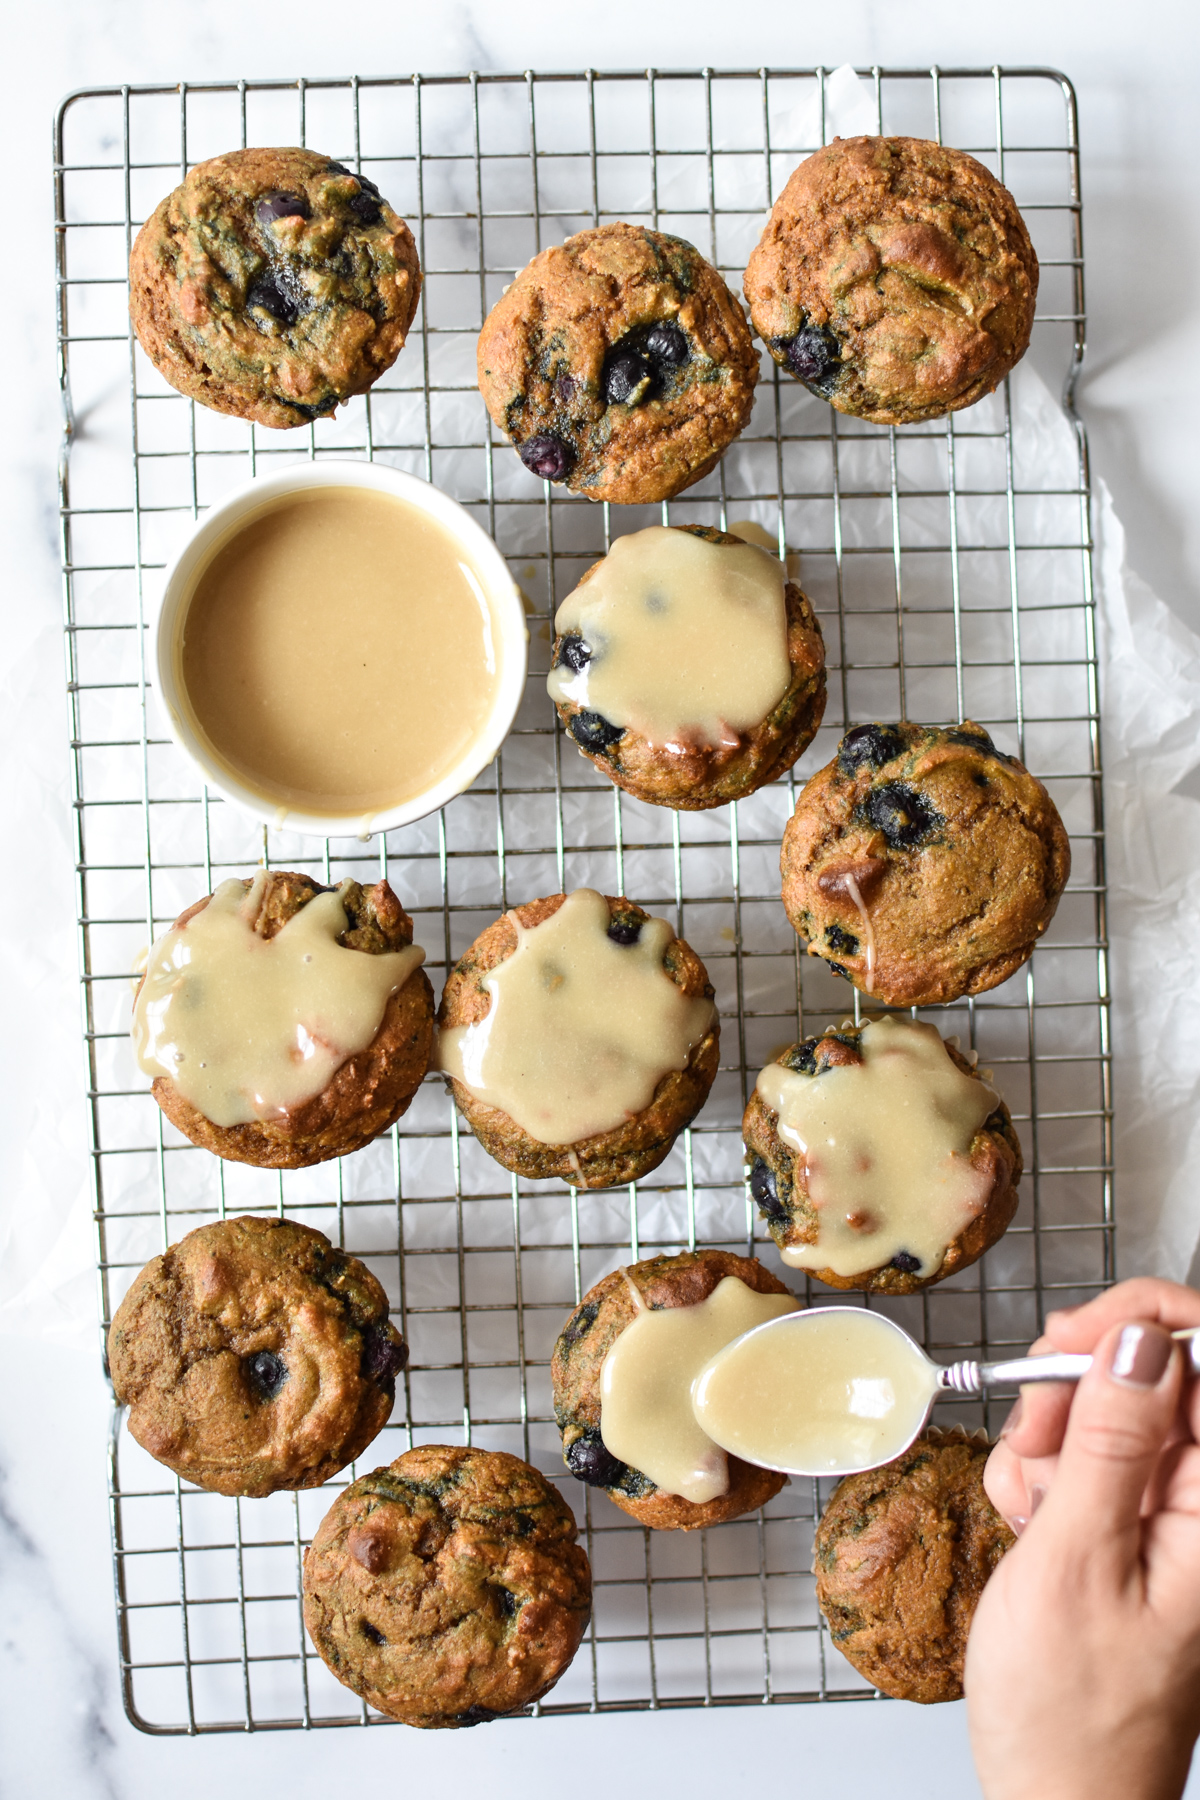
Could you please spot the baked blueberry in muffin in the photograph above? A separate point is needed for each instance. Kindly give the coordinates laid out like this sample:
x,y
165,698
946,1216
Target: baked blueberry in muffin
x,y
714,693
448,1589
923,863
619,363
253,1356
895,278
273,284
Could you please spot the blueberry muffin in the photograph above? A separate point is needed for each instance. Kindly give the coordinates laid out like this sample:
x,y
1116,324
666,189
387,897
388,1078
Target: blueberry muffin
x,y
273,284
448,1589
778,1177
895,278
254,1356
609,1158
692,777
586,1339
901,1556
620,363
923,864
371,1089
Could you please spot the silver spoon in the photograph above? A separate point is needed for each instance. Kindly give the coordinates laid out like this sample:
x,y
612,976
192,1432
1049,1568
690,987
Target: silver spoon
x,y
774,1380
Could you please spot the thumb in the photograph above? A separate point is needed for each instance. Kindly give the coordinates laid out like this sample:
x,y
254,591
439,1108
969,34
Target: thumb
x,y
1120,1417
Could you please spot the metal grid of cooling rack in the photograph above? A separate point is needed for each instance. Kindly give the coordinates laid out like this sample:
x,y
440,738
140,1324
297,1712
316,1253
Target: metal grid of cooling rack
x,y
950,566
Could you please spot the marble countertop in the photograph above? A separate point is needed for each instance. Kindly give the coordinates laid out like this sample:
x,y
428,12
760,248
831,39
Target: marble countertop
x,y
62,1729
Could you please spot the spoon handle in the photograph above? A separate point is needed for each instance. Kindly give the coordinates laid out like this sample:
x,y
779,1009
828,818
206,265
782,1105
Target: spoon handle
x,y
974,1378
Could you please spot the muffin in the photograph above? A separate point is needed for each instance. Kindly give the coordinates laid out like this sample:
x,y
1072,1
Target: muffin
x,y
901,1556
448,1589
620,363
923,864
273,284
895,278
367,1091
656,1081
874,1250
575,1369
253,1356
686,766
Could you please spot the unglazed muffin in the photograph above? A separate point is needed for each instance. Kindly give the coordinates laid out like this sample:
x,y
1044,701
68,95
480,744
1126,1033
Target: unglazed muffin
x,y
895,278
695,776
372,1088
902,1555
605,1311
628,1150
956,853
620,363
253,1356
273,284
778,1177
448,1589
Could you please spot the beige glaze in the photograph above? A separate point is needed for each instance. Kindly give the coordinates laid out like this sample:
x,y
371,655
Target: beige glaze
x,y
337,652
836,1391
688,638
646,1415
884,1147
580,1030
248,1027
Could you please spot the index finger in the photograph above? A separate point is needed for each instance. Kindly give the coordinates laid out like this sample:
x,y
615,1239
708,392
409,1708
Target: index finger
x,y
1166,1303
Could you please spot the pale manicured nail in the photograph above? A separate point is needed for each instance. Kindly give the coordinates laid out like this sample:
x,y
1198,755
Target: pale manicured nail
x,y
1141,1355
1037,1494
1014,1417
1017,1525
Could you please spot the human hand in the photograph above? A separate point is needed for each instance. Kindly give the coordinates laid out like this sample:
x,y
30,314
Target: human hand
x,y
1083,1664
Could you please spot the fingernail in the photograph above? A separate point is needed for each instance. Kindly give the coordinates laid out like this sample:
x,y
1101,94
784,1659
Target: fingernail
x,y
1037,1494
1014,1417
1017,1525
1141,1355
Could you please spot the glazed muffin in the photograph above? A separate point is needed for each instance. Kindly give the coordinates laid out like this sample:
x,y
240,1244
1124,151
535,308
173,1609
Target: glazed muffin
x,y
693,770
901,1556
605,1311
989,1164
895,278
670,1098
448,1589
253,1356
273,284
620,363
370,1089
922,863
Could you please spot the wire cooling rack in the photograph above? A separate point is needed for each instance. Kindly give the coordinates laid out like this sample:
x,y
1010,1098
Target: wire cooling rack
x,y
950,567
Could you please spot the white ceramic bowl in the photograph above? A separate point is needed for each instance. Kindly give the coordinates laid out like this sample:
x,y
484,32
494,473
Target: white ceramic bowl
x,y
510,638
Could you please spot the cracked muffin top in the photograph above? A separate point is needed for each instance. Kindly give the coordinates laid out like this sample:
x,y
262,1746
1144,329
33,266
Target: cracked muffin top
x,y
253,1355
448,1589
273,284
895,278
922,863
901,1556
620,363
